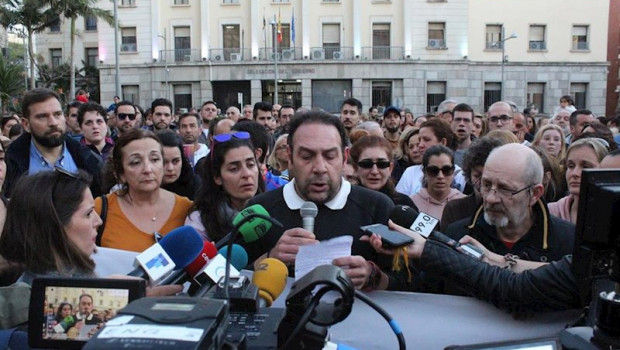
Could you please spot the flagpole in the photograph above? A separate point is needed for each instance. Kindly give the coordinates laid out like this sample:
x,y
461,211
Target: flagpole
x,y
275,58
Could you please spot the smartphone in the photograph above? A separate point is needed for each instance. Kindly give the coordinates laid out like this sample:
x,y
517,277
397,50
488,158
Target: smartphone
x,y
389,238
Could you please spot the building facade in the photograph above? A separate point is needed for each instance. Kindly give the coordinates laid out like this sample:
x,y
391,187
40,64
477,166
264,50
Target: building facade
x,y
408,53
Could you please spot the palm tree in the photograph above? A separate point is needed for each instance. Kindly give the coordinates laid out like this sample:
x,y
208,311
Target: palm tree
x,y
72,9
11,81
30,16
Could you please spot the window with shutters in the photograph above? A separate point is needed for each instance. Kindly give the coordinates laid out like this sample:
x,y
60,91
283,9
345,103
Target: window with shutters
x,y
129,42
492,94
331,39
579,92
182,44
494,37
537,37
437,35
580,38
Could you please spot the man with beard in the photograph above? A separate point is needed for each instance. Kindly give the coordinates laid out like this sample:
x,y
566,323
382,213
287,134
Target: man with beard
x,y
208,112
317,155
391,123
513,219
190,129
462,125
91,117
126,117
350,115
263,115
161,114
44,145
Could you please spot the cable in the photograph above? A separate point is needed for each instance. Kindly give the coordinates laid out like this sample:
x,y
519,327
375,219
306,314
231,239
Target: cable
x,y
395,327
314,302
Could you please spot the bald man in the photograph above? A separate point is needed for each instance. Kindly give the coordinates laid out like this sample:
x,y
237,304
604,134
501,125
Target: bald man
x,y
233,113
612,160
500,116
512,218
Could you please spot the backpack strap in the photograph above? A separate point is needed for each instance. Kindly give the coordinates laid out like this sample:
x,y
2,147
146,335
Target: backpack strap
x,y
103,215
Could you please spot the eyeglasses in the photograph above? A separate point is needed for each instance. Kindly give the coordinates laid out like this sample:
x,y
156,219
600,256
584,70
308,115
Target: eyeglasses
x,y
433,171
504,118
123,116
368,164
485,188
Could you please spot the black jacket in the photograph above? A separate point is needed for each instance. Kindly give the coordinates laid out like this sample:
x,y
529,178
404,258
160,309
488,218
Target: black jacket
x,y
18,161
549,238
550,287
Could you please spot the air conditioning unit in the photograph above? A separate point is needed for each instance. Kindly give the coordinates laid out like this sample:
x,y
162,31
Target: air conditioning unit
x,y
288,55
338,55
318,54
218,57
537,45
275,56
235,56
126,48
435,43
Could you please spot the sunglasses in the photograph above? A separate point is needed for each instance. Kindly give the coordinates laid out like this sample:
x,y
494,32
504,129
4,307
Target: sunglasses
x,y
432,170
241,135
123,116
368,164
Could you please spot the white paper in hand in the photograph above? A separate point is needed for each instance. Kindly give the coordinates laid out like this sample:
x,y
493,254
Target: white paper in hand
x,y
313,255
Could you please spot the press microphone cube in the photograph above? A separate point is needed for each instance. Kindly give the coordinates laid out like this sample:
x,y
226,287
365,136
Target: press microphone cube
x,y
155,262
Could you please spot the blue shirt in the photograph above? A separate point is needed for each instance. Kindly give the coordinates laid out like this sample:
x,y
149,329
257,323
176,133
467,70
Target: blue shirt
x,y
39,163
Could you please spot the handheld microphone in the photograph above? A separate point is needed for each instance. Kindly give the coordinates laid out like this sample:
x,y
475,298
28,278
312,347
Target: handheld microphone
x,y
257,223
308,212
270,278
65,324
212,272
238,259
173,252
192,269
424,224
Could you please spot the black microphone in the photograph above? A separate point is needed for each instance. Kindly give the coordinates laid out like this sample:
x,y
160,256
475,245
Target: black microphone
x,y
308,212
424,224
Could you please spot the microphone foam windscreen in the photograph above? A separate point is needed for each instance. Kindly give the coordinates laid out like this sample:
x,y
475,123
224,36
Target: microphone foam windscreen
x,y
256,227
208,252
183,244
239,257
403,215
270,278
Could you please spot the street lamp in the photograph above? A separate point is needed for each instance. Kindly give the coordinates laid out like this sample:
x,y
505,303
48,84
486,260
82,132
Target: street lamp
x,y
274,26
165,57
503,43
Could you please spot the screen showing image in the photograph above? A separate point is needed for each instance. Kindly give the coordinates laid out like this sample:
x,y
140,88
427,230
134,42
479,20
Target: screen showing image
x,y
77,313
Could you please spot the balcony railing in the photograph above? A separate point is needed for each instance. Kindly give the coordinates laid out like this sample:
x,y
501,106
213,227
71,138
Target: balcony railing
x,y
581,45
180,55
383,52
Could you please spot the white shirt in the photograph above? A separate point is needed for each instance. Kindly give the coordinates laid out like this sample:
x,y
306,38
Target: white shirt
x,y
201,152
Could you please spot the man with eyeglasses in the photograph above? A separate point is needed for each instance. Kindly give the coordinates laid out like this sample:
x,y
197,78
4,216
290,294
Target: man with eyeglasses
x,y
500,116
513,219
463,126
125,114
444,110
91,117
208,112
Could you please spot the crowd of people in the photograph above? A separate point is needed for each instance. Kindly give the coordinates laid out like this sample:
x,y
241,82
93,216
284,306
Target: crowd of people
x,y
124,177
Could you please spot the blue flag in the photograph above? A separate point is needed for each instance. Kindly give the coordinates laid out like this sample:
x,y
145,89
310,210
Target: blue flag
x,y
293,26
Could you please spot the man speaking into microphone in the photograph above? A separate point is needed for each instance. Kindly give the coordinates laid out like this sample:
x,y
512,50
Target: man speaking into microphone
x,y
317,154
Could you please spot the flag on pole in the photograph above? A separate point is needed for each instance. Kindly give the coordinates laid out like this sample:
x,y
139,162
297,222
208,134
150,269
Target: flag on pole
x,y
264,22
293,26
279,27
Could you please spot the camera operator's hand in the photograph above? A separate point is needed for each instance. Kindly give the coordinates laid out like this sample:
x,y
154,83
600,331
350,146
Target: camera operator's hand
x,y
414,250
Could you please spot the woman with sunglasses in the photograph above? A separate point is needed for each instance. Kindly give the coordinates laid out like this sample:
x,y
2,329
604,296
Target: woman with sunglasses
x,y
372,160
438,166
582,154
179,176
231,177
433,132
140,212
